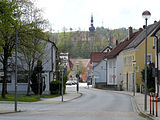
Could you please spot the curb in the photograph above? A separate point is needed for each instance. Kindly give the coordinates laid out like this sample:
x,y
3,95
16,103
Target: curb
x,y
80,95
139,111
9,111
135,106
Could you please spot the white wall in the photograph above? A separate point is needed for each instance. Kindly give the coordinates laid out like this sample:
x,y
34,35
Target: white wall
x,y
119,67
115,67
112,71
100,71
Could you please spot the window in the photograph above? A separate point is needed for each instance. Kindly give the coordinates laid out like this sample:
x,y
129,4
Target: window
x,y
128,60
22,78
110,64
154,42
149,58
8,79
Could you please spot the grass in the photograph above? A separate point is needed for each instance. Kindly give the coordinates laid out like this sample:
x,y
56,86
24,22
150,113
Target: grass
x,y
25,98
145,116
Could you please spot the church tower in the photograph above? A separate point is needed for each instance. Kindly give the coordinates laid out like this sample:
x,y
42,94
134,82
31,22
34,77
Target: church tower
x,y
91,28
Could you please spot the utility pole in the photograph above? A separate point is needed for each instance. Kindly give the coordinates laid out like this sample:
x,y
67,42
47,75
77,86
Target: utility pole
x,y
62,84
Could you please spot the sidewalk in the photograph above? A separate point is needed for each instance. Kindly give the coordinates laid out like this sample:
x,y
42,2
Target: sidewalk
x,y
138,101
8,107
66,97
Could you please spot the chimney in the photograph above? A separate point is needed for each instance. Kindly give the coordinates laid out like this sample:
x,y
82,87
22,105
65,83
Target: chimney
x,y
116,42
155,21
130,32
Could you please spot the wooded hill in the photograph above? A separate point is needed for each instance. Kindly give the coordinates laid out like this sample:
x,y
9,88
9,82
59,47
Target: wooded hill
x,y
79,44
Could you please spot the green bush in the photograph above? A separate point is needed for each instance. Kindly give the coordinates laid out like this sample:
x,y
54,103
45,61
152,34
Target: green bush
x,y
56,87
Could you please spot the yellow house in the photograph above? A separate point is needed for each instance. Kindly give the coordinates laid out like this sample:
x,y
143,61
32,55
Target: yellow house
x,y
134,57
156,34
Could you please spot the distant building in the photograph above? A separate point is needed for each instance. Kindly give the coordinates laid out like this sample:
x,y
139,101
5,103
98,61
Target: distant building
x,y
84,65
99,72
64,57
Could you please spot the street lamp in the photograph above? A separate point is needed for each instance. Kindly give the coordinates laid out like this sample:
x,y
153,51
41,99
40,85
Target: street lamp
x,y
16,49
146,15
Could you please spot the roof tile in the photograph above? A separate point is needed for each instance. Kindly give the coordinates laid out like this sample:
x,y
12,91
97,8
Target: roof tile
x,y
97,56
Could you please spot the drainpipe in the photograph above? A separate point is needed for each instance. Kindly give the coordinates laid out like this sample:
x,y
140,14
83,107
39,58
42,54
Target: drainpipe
x,y
106,70
157,75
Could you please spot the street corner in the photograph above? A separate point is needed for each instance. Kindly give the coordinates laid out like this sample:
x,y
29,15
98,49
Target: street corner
x,y
8,111
71,96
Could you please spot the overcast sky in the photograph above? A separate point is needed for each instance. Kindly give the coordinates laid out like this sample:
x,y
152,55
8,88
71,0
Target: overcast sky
x,y
109,13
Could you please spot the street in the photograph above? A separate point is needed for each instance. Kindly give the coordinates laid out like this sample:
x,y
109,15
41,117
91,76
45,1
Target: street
x,y
94,104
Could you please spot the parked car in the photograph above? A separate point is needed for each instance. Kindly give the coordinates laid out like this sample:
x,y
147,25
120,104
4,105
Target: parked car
x,y
69,82
74,82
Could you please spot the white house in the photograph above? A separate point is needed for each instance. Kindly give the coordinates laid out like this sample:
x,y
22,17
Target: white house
x,y
49,67
98,62
100,74
115,69
116,63
99,67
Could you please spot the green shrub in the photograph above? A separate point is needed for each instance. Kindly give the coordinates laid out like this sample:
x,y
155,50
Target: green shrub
x,y
56,87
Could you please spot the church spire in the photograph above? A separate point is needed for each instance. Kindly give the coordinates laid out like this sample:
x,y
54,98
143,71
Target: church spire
x,y
92,28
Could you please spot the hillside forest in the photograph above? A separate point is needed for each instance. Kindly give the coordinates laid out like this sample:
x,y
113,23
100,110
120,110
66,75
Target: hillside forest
x,y
79,44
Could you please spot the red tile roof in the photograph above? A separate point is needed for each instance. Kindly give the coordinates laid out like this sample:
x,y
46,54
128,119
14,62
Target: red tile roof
x,y
97,56
122,45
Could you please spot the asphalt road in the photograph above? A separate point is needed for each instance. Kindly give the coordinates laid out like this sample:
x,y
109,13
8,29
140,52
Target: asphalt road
x,y
93,105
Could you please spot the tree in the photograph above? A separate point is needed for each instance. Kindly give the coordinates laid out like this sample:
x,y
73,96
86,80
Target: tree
x,y
150,78
38,85
30,27
33,41
8,23
31,51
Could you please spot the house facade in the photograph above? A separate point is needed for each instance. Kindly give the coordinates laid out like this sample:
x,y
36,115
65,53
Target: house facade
x,y
116,61
98,62
115,68
156,35
100,74
135,51
49,68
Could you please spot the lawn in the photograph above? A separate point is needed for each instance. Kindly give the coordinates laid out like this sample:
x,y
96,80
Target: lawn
x,y
24,98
